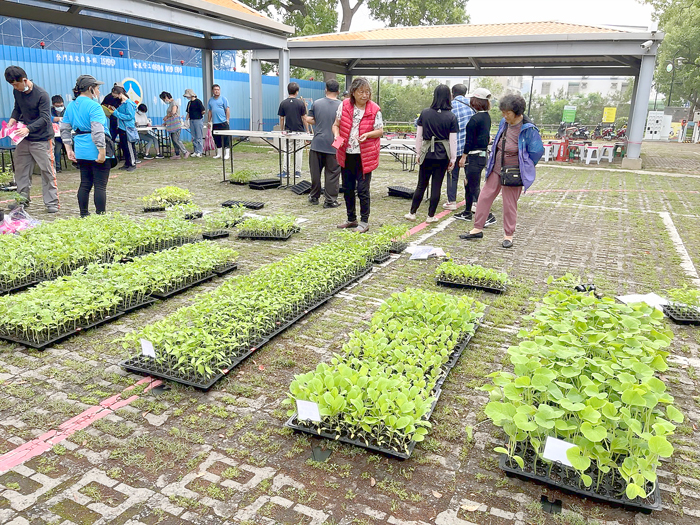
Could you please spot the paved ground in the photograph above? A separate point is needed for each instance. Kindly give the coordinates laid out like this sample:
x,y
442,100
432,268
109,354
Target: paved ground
x,y
224,456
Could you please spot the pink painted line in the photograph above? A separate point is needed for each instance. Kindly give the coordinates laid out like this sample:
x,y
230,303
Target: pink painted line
x,y
424,225
611,191
46,441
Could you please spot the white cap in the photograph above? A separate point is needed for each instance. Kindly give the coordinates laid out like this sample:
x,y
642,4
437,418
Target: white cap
x,y
481,93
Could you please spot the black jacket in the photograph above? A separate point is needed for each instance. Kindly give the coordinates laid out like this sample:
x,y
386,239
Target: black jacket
x,y
477,135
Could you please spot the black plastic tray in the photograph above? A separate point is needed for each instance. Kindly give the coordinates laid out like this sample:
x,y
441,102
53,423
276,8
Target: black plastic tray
x,y
238,183
251,205
436,393
193,216
398,247
44,344
379,259
171,293
634,505
151,367
216,234
453,284
401,191
149,209
19,287
148,301
264,184
225,268
254,237
682,314
301,188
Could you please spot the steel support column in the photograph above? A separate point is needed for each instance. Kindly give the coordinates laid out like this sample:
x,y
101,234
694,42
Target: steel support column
x,y
283,70
635,129
256,94
207,74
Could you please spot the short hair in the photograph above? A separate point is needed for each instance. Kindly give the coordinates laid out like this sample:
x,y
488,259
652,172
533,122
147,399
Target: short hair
x,y
56,99
459,89
215,86
514,103
292,88
359,82
15,74
143,108
118,90
480,104
332,86
164,95
441,98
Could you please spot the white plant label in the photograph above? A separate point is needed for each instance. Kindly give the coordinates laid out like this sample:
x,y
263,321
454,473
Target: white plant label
x,y
147,348
555,450
651,299
308,410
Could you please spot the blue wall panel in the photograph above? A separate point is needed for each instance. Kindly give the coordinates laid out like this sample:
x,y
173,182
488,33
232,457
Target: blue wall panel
x,y
57,71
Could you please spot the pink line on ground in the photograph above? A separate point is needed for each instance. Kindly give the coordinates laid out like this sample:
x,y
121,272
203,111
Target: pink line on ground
x,y
611,191
424,225
46,441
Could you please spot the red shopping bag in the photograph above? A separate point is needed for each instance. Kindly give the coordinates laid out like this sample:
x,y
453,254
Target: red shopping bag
x,y
209,144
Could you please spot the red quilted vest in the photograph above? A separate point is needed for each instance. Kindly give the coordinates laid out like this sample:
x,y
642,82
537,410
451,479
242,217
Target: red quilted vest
x,y
369,149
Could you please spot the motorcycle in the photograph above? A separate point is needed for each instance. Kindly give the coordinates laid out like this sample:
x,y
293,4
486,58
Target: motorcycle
x,y
609,132
580,132
561,132
597,132
621,133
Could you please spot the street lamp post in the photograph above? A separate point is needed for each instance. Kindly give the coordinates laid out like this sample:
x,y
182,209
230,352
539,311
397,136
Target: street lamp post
x,y
671,68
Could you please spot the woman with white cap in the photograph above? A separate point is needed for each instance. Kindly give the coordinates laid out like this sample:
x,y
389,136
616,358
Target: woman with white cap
x,y
88,148
195,115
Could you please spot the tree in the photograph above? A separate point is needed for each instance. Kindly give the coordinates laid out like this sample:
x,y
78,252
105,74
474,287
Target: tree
x,y
680,20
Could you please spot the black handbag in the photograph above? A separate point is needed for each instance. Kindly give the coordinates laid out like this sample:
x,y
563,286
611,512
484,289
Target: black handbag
x,y
110,148
509,176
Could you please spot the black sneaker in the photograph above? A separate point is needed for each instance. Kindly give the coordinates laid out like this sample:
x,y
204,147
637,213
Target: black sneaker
x,y
131,168
490,221
148,157
122,167
313,201
159,156
331,204
464,216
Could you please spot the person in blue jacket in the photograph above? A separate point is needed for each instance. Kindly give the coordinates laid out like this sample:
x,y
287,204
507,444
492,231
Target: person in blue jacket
x,y
518,144
85,117
126,115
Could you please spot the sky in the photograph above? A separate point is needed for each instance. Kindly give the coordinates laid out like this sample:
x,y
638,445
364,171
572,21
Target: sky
x,y
588,12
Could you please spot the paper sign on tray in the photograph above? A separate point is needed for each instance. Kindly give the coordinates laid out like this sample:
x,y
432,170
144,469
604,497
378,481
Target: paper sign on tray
x,y
308,410
555,450
147,348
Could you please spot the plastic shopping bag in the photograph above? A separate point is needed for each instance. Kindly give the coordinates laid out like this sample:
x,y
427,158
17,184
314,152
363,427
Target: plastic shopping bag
x,y
11,131
209,144
17,220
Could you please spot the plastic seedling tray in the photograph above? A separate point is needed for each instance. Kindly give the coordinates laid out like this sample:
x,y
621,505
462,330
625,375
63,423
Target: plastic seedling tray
x,y
567,479
193,216
170,292
301,188
488,286
264,184
260,237
19,287
384,257
401,191
398,247
238,182
215,234
61,337
251,205
225,268
147,301
682,314
369,444
149,209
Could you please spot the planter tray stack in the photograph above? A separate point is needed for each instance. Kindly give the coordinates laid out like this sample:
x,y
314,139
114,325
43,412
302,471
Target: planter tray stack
x,y
301,188
487,286
265,184
401,191
247,204
436,393
567,479
682,314
149,366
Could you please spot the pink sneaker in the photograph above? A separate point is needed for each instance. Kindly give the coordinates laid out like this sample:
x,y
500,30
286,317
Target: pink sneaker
x,y
175,157
187,154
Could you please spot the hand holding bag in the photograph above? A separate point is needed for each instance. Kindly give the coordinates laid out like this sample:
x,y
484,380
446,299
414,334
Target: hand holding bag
x,y
509,176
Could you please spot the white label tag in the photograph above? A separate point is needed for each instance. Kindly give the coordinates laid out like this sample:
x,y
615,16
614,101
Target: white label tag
x,y
147,348
308,410
555,450
651,299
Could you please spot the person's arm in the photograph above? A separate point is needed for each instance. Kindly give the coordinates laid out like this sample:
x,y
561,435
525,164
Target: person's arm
x,y
228,112
55,118
65,127
335,128
535,149
281,123
419,140
209,115
453,150
202,108
97,133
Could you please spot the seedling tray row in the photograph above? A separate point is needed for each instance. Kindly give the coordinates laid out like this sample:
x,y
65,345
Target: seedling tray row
x,y
216,234
150,209
382,258
177,289
251,205
682,314
568,480
225,268
262,237
487,286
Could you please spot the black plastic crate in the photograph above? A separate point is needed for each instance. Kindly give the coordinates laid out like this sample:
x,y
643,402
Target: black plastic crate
x,y
301,188
487,287
174,291
264,184
215,234
251,205
567,480
255,237
682,314
401,191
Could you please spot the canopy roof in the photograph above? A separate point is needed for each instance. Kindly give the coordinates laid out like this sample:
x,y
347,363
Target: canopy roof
x,y
205,24
529,48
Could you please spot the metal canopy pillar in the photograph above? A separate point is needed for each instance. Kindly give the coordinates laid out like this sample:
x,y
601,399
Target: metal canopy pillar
x,y
638,113
207,74
283,71
256,95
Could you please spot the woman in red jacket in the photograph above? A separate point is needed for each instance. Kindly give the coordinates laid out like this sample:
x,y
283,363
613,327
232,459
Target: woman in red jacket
x,y
358,129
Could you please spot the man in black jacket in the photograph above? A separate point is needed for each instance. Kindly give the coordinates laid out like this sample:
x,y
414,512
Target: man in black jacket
x,y
33,109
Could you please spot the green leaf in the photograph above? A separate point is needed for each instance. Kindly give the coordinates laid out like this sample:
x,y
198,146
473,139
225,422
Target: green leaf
x,y
575,457
660,446
595,434
674,414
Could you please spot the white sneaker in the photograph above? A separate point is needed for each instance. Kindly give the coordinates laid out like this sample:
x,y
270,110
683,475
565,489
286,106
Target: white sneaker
x,y
432,219
410,216
218,153
227,154
450,206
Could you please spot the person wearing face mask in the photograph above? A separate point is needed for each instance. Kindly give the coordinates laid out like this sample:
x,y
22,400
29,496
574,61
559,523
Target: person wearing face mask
x,y
88,148
33,109
57,109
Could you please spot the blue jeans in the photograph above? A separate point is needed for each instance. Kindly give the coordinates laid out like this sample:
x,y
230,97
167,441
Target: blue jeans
x,y
57,149
452,181
197,132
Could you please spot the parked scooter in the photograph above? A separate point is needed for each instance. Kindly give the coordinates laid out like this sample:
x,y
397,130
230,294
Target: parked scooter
x,y
561,132
580,133
622,132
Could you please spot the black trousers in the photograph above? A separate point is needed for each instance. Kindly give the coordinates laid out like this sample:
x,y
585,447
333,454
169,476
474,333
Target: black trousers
x,y
355,180
127,149
97,175
317,162
472,184
221,141
430,169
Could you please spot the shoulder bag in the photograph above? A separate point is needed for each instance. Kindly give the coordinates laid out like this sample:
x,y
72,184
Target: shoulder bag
x,y
509,176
